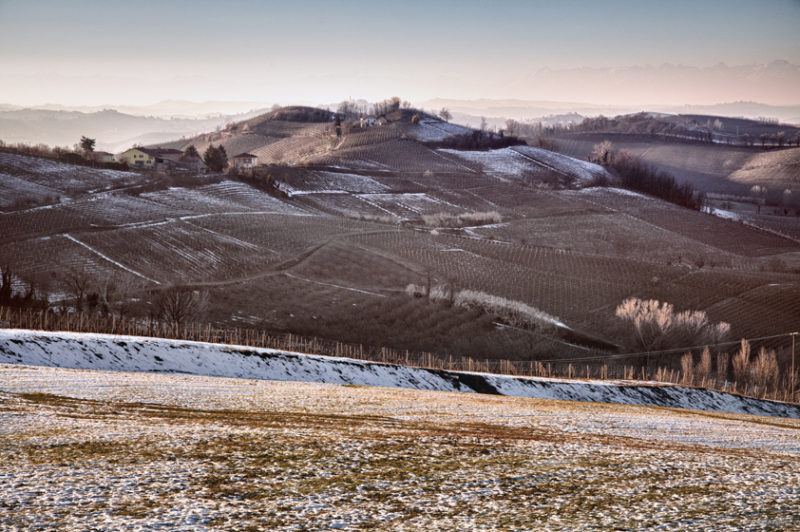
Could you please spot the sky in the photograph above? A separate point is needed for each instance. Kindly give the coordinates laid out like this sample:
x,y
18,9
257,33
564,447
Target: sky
x,y
93,52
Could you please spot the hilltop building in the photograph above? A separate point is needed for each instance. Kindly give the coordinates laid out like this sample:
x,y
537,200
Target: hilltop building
x,y
244,161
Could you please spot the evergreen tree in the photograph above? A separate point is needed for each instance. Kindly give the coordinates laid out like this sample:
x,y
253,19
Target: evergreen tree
x,y
87,144
216,158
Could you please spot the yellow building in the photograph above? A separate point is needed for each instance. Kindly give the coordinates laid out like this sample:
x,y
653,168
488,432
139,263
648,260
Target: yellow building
x,y
138,158
150,157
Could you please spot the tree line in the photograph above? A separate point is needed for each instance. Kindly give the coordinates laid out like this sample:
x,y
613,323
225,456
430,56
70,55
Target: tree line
x,y
638,176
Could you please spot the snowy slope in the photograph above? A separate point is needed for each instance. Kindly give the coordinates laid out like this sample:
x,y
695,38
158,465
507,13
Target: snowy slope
x,y
583,171
429,130
127,353
519,161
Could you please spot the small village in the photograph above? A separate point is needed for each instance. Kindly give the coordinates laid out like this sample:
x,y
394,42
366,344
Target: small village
x,y
171,159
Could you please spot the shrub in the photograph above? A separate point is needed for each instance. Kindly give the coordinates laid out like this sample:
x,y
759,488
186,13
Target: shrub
x,y
511,312
514,313
379,218
656,324
443,219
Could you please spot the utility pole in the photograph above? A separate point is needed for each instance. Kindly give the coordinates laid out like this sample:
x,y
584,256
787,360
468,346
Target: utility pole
x,y
792,376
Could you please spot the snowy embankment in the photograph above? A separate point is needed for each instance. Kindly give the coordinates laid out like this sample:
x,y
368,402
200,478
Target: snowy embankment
x,y
129,353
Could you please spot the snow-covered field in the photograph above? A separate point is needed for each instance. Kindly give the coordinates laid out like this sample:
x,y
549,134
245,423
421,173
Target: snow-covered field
x,y
128,353
408,205
505,162
227,196
322,182
520,161
583,171
71,178
87,449
436,130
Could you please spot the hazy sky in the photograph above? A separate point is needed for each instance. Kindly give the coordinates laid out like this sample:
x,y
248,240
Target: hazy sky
x,y
610,52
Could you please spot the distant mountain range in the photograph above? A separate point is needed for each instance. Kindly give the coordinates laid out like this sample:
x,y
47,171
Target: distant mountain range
x,y
162,109
497,111
120,127
114,130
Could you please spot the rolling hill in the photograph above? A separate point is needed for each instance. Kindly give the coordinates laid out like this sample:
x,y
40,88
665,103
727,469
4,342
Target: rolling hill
x,y
348,223
114,131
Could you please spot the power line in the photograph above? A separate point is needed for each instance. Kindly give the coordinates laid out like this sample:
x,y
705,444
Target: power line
x,y
661,351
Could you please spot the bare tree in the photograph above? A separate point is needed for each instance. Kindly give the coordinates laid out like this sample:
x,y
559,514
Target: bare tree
x,y
723,359
177,304
5,285
445,114
347,109
687,369
512,127
741,363
603,153
703,368
765,370
76,283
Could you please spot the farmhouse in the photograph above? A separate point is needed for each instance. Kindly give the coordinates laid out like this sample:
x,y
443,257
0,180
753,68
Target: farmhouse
x,y
150,157
191,162
369,121
245,160
102,157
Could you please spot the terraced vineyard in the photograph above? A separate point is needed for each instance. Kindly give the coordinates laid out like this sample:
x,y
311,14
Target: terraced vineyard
x,y
332,252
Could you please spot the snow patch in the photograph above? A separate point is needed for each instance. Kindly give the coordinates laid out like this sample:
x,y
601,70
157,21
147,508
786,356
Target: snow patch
x,y
130,353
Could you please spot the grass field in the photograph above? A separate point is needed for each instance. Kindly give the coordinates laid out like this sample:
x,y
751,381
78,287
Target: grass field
x,y
91,449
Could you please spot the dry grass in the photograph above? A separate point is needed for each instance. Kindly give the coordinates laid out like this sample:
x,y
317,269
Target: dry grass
x,y
232,454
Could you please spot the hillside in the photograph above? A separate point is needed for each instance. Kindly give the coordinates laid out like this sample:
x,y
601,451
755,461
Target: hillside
x,y
331,247
711,167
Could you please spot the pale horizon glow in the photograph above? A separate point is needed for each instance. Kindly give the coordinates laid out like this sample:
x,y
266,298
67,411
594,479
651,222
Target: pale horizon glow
x,y
622,52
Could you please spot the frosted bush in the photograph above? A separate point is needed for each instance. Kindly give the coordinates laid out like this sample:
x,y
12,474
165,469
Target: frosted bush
x,y
514,312
443,219
656,324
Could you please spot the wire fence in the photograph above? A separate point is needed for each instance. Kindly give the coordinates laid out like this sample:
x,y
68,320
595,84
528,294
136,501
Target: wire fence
x,y
618,366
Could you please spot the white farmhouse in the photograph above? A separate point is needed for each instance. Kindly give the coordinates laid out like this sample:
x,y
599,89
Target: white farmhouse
x,y
244,161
